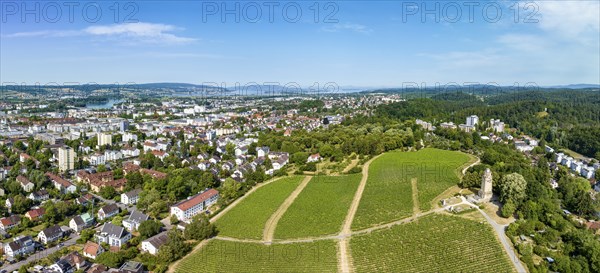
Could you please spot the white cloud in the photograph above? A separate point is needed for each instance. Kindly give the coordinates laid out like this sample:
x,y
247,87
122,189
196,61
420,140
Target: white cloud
x,y
347,26
570,19
129,33
146,32
43,33
523,42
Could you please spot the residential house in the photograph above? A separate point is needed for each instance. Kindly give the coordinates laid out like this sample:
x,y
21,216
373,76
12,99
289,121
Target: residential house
x,y
84,200
241,150
194,205
60,266
588,172
576,166
227,166
160,154
108,211
112,235
35,214
50,234
97,268
262,151
78,223
134,220
214,159
39,196
27,185
92,250
61,184
131,197
68,264
280,162
204,165
314,158
9,222
239,160
153,244
21,245
9,203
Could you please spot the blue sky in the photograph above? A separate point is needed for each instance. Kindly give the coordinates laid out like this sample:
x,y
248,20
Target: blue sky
x,y
351,43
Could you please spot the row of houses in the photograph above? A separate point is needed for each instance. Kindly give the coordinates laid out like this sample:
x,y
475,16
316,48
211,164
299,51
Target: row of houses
x,y
575,165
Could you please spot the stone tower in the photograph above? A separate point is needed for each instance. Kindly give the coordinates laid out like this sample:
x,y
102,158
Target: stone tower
x,y
485,193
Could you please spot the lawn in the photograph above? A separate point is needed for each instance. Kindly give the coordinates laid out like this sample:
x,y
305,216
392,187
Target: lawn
x,y
320,209
247,220
434,243
226,256
388,192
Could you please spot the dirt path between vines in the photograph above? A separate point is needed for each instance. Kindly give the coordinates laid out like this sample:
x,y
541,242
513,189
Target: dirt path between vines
x,y
237,201
415,196
271,224
345,259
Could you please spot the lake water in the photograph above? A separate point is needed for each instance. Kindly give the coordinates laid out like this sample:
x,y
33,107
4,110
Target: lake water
x,y
107,105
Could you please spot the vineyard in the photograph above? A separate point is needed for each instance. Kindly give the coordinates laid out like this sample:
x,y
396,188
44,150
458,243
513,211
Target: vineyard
x,y
247,220
225,256
434,243
320,209
388,193
431,243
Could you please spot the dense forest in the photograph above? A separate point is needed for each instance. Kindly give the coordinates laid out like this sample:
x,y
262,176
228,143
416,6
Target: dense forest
x,y
569,119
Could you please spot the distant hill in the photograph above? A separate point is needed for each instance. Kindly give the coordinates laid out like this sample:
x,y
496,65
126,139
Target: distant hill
x,y
577,86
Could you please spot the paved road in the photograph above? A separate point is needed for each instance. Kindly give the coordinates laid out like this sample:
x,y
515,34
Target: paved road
x,y
107,201
41,254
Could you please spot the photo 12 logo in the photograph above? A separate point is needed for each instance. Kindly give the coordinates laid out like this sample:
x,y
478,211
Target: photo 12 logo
x,y
469,11
254,12
68,11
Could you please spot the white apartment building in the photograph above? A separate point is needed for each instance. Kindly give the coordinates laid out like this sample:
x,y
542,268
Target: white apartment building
x,y
472,120
104,139
185,210
66,159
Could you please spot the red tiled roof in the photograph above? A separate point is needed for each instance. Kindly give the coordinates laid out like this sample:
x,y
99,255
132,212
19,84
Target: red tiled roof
x,y
91,248
35,213
153,173
197,199
63,182
23,180
593,225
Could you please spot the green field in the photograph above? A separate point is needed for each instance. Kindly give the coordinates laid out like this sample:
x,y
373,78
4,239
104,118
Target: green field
x,y
320,209
247,220
225,256
433,243
388,192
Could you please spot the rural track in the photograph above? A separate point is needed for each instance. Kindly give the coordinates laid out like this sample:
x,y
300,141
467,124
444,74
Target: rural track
x,y
344,257
271,224
415,196
464,171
